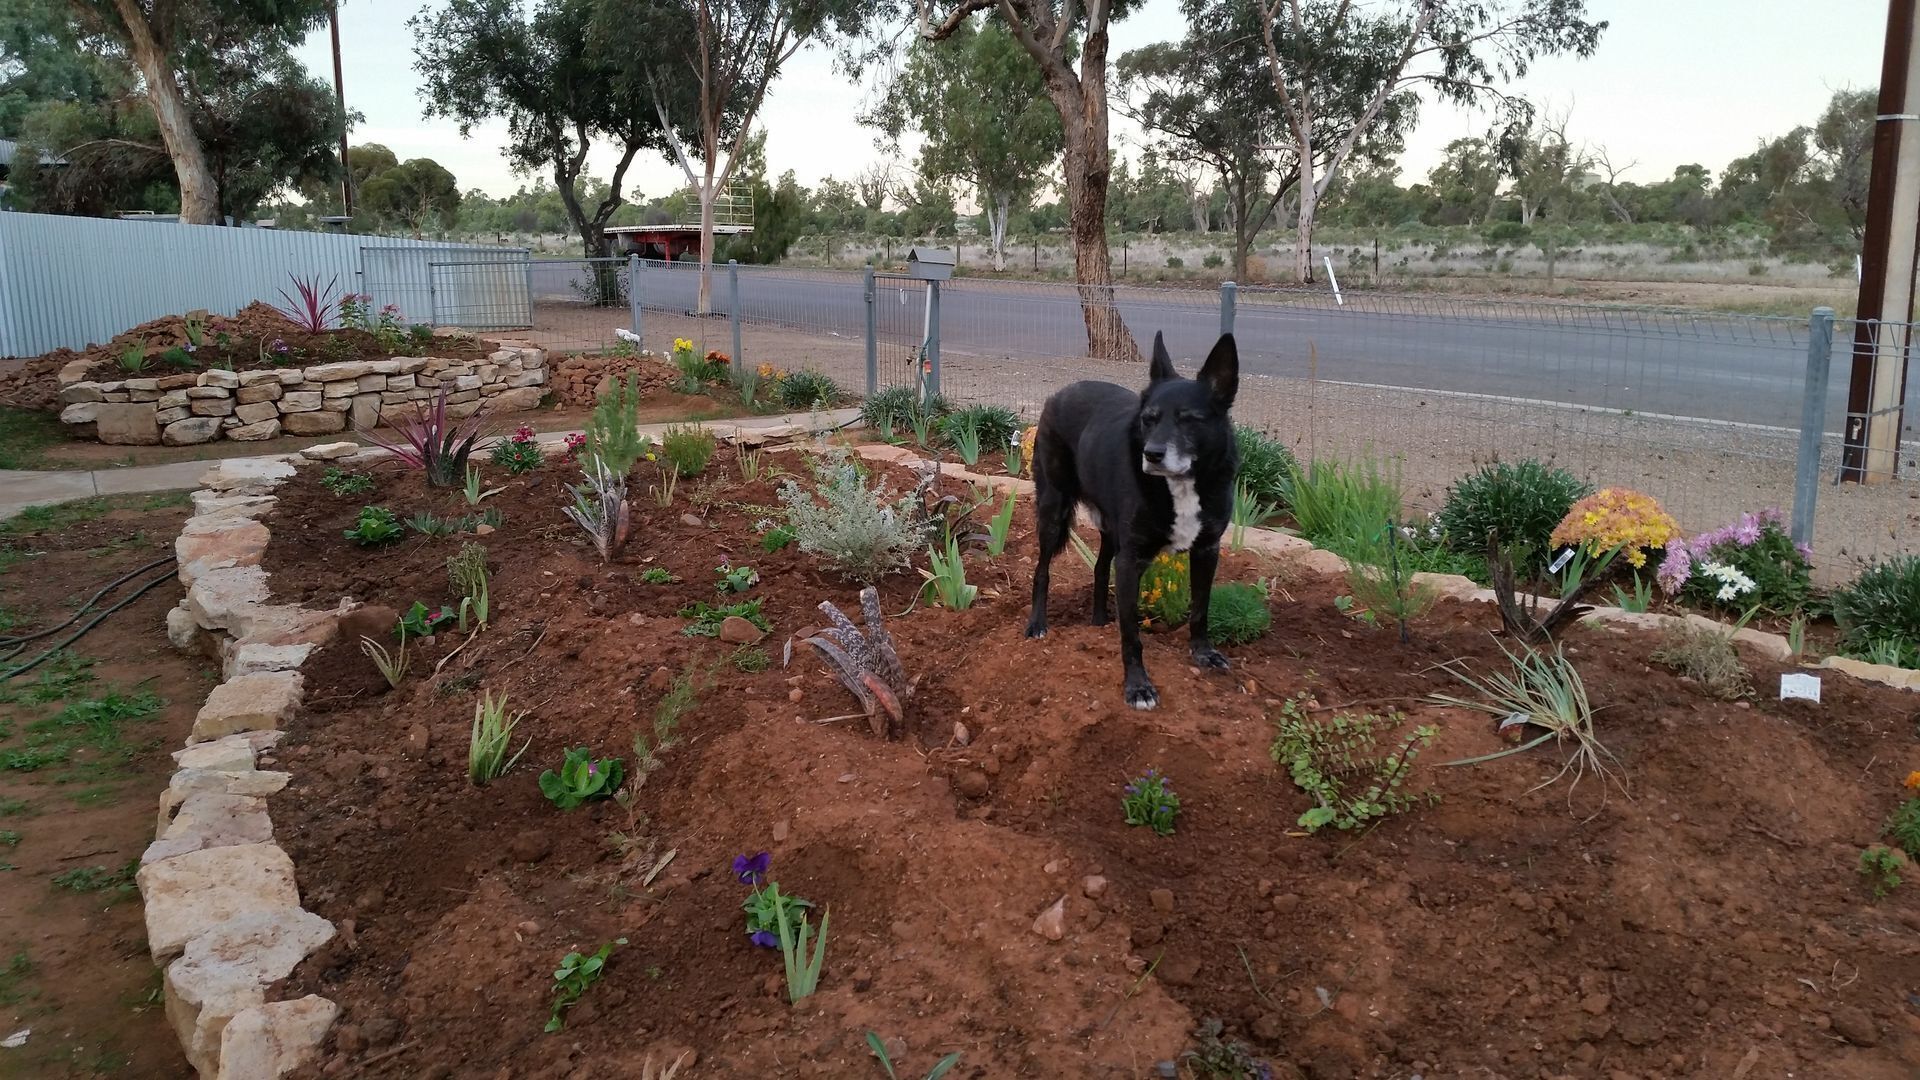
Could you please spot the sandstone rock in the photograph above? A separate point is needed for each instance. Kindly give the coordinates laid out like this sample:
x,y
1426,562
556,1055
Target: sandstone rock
x,y
282,624
185,783
326,373
527,378
526,397
1162,900
330,451
219,598
271,1040
312,423
1856,1026
126,425
1052,923
207,393
258,702
338,390
75,393
212,407
209,504
233,753
81,413
219,377
182,631
247,476
264,429
1094,886
256,412
259,378
253,658
210,819
163,417
258,394
228,970
402,382
735,630
365,413
209,544
299,401
191,431
172,399
187,895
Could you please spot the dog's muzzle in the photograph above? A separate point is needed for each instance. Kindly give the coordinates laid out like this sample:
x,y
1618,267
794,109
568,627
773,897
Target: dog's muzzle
x,y
1169,462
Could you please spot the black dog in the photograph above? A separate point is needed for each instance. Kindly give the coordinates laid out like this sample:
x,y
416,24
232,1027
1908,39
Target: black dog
x,y
1156,469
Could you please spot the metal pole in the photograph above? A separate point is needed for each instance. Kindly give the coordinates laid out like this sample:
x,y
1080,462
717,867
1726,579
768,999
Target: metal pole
x,y
933,336
340,95
633,298
1229,295
1877,383
733,313
1813,414
873,339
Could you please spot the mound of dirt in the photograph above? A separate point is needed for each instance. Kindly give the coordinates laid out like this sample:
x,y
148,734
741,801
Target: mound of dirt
x,y
35,383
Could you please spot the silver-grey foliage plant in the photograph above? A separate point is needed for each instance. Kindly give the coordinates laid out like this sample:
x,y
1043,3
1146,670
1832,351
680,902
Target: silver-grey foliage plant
x,y
852,526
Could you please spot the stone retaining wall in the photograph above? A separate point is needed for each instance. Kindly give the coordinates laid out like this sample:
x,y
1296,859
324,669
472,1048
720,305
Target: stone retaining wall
x,y
199,407
223,912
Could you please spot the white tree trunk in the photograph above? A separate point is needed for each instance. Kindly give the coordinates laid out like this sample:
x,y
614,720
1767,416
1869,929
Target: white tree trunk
x,y
1002,203
1303,232
707,195
199,201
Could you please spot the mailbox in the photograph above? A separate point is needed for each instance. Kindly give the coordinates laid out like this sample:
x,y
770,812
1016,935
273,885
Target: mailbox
x,y
930,263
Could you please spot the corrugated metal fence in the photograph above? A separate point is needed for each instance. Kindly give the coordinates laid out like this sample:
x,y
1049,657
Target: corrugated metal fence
x,y
70,282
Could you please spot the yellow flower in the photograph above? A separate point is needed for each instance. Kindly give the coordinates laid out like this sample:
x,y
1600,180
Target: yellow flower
x,y
1912,782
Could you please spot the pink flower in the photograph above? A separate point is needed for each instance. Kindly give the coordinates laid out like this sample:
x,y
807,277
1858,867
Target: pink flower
x,y
1676,568
523,434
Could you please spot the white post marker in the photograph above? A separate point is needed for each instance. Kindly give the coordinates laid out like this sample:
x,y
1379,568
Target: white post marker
x,y
1327,260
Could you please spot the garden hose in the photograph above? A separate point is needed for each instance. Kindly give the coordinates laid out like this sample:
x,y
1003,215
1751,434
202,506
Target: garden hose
x,y
19,643
90,624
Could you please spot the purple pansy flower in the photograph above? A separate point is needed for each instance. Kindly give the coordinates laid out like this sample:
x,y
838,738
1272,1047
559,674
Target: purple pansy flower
x,y
752,869
766,939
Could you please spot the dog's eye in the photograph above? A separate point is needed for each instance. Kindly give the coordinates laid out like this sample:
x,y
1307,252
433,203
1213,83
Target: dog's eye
x,y
1192,414
1151,416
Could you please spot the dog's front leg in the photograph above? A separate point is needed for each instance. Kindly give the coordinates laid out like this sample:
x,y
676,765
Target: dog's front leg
x,y
1139,689
1206,560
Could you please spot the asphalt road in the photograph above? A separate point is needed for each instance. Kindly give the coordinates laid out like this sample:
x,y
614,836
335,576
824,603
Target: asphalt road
x,y
1714,367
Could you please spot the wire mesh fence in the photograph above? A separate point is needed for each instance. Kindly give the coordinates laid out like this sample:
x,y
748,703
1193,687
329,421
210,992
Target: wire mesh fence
x,y
1703,411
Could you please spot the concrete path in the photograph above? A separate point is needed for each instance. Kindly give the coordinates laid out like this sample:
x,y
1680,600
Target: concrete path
x,y
19,490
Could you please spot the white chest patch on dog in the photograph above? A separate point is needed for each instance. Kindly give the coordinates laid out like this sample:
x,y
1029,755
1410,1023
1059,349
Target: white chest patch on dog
x,y
1186,512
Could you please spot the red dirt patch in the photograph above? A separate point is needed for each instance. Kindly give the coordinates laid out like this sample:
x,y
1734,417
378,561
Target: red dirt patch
x,y
1714,918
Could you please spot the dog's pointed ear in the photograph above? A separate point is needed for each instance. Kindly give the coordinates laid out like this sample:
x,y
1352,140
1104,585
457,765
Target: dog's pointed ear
x,y
1162,366
1221,373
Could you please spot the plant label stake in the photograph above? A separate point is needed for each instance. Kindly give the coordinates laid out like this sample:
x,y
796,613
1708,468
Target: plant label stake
x,y
1799,686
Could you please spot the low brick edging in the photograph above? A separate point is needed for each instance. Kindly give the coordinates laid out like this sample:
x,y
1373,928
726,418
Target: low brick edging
x,y
1302,553
199,407
222,908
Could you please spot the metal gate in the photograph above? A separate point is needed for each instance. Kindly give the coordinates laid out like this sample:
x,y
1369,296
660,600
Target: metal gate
x,y
472,288
903,333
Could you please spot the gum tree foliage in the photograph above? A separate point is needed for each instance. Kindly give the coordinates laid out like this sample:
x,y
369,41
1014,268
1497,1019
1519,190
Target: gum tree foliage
x,y
1069,41
534,66
982,111
1459,50
703,68
413,195
1211,99
186,54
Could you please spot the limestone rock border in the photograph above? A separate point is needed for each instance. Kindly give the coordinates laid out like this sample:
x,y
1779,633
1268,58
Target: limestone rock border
x,y
198,407
222,907
1303,554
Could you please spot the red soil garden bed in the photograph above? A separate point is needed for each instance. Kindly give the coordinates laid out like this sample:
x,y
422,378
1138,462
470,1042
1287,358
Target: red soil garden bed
x,y
1711,925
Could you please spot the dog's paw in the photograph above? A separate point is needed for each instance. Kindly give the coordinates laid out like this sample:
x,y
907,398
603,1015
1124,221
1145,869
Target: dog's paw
x,y
1036,630
1141,695
1211,659
1099,619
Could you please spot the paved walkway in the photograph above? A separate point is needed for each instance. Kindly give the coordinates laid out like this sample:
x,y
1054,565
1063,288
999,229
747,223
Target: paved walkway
x,y
19,490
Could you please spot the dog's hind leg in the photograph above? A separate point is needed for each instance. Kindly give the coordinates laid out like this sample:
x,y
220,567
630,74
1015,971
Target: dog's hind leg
x,y
1053,516
1102,578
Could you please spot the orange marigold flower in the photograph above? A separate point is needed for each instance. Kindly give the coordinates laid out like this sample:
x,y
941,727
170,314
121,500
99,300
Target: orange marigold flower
x,y
1912,782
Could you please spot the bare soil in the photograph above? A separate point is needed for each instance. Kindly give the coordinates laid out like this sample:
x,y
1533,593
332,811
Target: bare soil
x,y
74,968
1707,922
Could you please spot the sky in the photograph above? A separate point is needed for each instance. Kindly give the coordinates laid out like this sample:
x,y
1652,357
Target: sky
x,y
1673,82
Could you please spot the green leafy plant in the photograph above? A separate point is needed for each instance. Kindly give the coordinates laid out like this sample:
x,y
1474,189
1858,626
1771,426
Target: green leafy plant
x,y
752,461
582,778
613,433
1881,866
492,736
803,971
1881,606
520,454
1520,613
180,358
774,537
1150,801
1752,562
343,483
963,435
420,334
975,427
1265,465
1542,689
675,704
1638,601
572,978
1166,589
940,1069
393,666
1214,1055
428,524
1341,504
687,448
1248,512
807,389
467,571
1707,657
1903,825
418,621
947,581
132,359
376,525
1001,526
707,618
1237,613
1517,504
600,507
735,579
472,488
657,575
889,409
856,529
1382,579
1355,767
751,659
924,419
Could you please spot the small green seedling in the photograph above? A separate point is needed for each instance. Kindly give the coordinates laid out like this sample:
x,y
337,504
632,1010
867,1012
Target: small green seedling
x,y
1881,866
880,1051
375,526
343,483
582,778
657,575
575,973
1149,801
735,579
1002,525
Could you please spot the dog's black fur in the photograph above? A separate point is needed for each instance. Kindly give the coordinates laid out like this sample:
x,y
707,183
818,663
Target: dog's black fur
x,y
1158,469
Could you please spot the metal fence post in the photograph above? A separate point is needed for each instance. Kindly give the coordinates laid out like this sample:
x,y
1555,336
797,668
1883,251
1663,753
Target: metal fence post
x,y
633,299
933,337
1813,414
733,314
1229,295
873,338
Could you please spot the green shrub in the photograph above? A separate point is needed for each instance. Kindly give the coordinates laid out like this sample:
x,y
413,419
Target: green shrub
x,y
1265,464
375,526
995,425
687,449
853,527
1237,613
613,435
808,390
1903,827
888,410
1881,609
1519,501
1338,505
